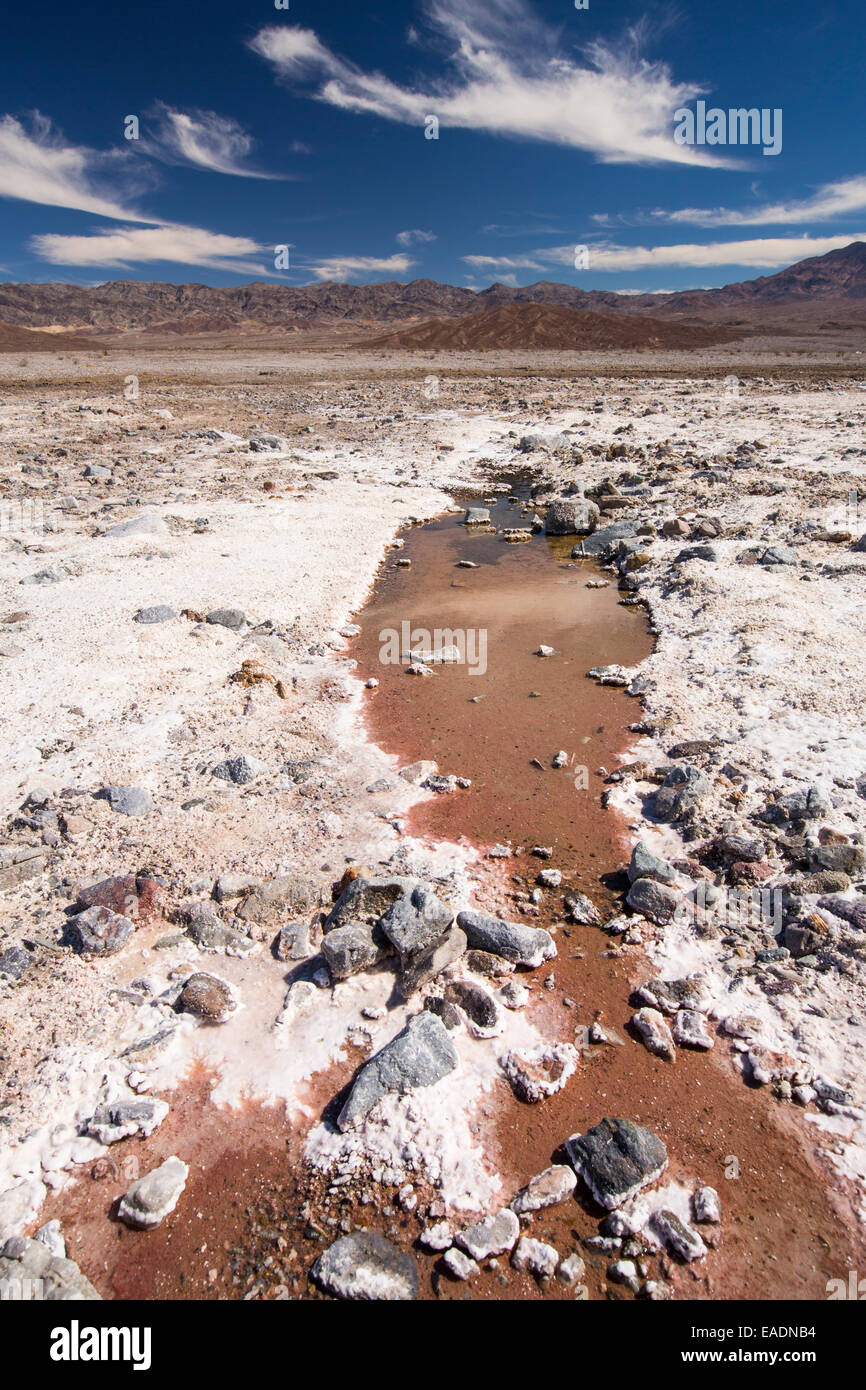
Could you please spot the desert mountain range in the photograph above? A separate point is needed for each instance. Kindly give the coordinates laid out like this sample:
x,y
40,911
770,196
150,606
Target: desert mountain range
x,y
833,284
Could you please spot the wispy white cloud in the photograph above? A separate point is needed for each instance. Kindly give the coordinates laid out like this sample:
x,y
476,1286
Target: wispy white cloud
x,y
125,247
39,166
766,253
831,200
509,75
347,267
413,237
204,140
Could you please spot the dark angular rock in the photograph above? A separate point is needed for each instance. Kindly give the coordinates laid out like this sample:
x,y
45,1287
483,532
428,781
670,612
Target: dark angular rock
x,y
128,801
654,900
645,864
616,1159
353,947
682,792
530,946
157,613
367,899
15,961
232,618
420,1055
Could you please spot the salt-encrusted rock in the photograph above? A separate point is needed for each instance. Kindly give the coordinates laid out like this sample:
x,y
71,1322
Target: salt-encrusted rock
x,y
657,901
740,848
655,1034
495,1235
19,1205
416,921
677,1236
267,905
581,910
353,947
364,1265
571,516
51,1236
15,961
98,932
530,946
545,651
211,933
707,1205
604,539
460,1265
476,516
128,801
514,995
624,1272
571,1269
546,1189
232,618
690,1030
684,789
645,864
549,878
616,1159
241,770
150,1200
671,995
208,997
537,1257
299,1002
120,1119
31,1272
157,613
437,1237
265,443
484,1019
294,942
420,1055
540,1071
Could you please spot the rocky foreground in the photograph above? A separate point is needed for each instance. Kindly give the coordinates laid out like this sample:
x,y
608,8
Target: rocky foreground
x,y
204,860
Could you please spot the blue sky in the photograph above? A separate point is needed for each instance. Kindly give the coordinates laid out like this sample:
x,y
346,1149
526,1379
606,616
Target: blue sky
x,y
261,127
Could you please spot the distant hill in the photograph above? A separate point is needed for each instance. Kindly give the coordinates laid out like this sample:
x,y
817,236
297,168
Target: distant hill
x,y
158,308
550,326
16,339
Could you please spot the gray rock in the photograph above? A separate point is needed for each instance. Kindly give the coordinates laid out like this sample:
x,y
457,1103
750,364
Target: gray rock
x,y
51,1236
418,1056
571,516
233,618
294,942
530,946
265,443
483,1015
603,541
845,858
150,1200
616,1159
158,613
678,1237
683,791
426,965
240,770
98,932
495,1235
546,1189
354,947
476,516
415,922
32,1272
654,900
645,864
210,933
15,961
148,524
364,1265
121,1119
128,801
655,1034
780,555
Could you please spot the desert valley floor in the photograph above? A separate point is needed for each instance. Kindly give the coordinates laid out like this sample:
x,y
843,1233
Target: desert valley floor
x,y
629,1056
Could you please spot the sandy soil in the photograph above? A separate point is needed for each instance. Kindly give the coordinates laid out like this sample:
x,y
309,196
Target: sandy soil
x,y
770,660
